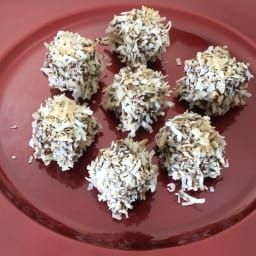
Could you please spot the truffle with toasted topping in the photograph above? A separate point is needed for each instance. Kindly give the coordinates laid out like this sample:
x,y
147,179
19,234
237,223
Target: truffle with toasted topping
x,y
139,35
122,174
62,130
73,64
137,97
191,150
214,81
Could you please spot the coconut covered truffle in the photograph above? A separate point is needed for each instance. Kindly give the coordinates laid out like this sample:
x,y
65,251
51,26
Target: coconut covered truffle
x,y
214,81
62,130
73,64
191,150
137,97
122,174
139,35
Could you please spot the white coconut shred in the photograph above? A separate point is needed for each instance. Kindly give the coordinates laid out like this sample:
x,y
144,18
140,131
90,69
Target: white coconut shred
x,y
122,174
137,96
62,130
214,81
73,64
191,150
139,35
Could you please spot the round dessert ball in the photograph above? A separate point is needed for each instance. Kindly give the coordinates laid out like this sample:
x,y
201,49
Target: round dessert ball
x,y
62,130
139,35
214,81
137,96
122,174
73,64
191,150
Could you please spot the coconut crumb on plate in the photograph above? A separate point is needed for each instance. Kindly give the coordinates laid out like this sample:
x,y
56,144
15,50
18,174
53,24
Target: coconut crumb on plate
x,y
62,130
122,174
191,150
137,96
14,127
211,189
30,159
178,62
73,64
185,199
139,35
214,81
171,187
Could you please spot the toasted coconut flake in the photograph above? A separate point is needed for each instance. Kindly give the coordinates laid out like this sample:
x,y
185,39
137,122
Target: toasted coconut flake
x,y
122,174
62,130
73,64
214,81
102,41
139,35
191,150
137,97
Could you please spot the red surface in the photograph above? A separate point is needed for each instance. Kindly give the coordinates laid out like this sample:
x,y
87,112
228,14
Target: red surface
x,y
62,197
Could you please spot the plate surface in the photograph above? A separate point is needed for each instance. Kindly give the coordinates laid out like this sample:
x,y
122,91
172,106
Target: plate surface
x,y
61,202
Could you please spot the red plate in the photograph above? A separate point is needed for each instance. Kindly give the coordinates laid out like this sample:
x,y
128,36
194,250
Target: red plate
x,y
60,201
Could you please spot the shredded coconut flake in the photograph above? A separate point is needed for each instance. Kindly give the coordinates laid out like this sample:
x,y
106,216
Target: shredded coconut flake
x,y
214,81
139,35
137,96
62,130
186,200
122,174
191,150
73,64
